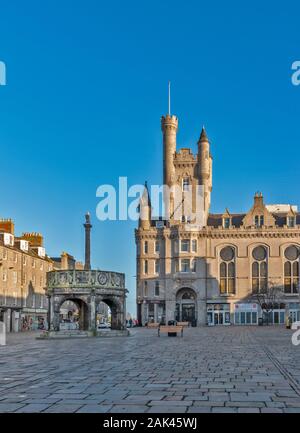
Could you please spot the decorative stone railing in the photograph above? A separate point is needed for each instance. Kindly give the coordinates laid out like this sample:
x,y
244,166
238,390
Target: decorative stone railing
x,y
85,279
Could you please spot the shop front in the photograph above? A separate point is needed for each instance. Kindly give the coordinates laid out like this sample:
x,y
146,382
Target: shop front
x,y
218,314
245,314
293,311
33,320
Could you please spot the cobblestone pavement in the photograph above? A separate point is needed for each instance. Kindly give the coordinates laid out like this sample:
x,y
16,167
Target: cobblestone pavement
x,y
216,369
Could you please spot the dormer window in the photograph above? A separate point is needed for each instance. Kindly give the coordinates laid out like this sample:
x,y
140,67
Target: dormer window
x,y
226,222
291,221
185,184
259,220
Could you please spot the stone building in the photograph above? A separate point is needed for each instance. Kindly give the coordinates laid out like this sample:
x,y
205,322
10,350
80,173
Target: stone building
x,y
23,268
214,273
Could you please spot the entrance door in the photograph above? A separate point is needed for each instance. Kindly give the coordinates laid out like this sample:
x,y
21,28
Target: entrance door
x,y
188,313
295,315
221,318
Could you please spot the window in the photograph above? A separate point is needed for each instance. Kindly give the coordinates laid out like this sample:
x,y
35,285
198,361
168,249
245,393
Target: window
x,y
185,184
146,247
42,301
291,269
193,267
227,271
185,265
146,267
33,263
33,280
24,260
259,220
15,257
259,269
41,266
15,277
226,223
157,247
194,245
157,266
146,289
4,255
4,276
291,221
156,291
33,301
185,245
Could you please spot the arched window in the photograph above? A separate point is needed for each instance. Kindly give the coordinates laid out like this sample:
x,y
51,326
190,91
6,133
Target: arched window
x,y
227,271
291,269
259,269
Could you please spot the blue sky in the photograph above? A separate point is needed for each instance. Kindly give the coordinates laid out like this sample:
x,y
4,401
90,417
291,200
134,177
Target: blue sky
x,y
87,84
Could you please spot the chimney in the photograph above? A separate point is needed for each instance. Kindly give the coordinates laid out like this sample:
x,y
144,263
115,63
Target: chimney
x,y
87,226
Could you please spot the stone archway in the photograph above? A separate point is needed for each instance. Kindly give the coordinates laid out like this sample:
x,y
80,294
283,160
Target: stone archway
x,y
117,311
186,306
82,305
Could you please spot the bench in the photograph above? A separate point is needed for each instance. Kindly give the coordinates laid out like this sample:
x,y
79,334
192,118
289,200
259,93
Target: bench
x,y
184,324
173,329
153,325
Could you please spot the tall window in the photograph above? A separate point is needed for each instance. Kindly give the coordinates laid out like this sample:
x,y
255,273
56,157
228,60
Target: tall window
x,y
194,245
185,184
157,267
291,269
259,269
226,223
185,265
146,267
156,291
291,221
157,247
185,245
146,289
193,266
227,271
259,220
146,247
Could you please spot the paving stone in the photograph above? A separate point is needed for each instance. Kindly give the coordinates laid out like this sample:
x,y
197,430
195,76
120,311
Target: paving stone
x,y
33,408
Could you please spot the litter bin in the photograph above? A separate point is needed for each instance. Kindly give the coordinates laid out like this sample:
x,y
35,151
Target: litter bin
x,y
260,321
172,323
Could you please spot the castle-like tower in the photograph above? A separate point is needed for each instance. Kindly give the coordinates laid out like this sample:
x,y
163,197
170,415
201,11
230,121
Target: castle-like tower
x,y
212,270
185,170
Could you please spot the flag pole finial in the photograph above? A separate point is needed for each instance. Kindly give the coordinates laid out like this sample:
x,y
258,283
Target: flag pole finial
x,y
169,98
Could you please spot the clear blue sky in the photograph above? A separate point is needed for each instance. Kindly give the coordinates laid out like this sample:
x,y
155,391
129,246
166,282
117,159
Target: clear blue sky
x,y
87,84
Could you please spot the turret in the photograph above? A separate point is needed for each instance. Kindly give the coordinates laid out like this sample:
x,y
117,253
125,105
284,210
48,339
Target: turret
x,y
169,126
205,168
145,210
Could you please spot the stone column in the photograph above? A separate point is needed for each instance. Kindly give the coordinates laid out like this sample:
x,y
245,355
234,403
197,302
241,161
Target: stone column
x,y
202,313
92,314
170,310
87,226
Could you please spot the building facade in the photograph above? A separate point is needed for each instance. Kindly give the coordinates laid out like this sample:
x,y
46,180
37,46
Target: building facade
x,y
23,269
217,272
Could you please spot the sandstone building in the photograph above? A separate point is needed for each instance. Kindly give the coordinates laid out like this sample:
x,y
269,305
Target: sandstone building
x,y
23,268
212,274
